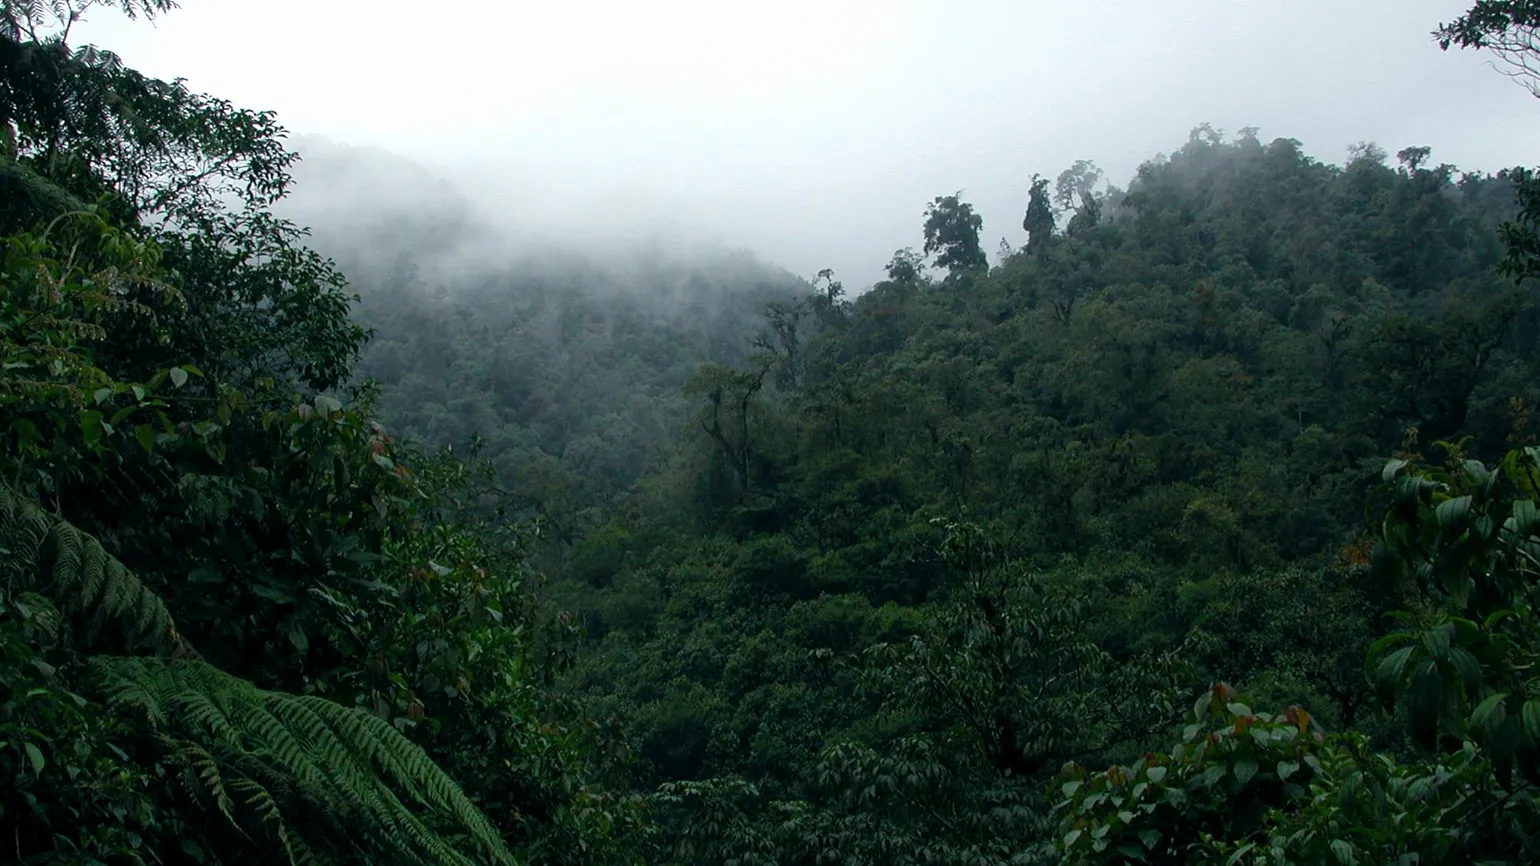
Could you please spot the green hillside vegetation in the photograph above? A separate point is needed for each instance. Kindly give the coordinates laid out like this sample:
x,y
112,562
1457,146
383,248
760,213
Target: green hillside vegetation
x,y
1200,528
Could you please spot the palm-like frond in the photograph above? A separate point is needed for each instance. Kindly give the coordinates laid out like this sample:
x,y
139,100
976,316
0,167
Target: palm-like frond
x,y
314,773
48,555
303,774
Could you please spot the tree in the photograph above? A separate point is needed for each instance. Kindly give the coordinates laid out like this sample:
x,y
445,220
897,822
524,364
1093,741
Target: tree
x,y
1412,158
828,298
1521,235
1007,661
1462,544
952,235
1038,222
1506,28
1250,786
1075,191
1510,29
783,340
728,416
906,267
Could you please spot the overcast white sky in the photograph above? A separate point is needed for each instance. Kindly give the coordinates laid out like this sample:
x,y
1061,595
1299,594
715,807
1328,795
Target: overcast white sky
x,y
814,131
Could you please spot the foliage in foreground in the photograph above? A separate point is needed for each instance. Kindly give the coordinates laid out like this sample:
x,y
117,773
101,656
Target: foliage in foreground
x,y
239,622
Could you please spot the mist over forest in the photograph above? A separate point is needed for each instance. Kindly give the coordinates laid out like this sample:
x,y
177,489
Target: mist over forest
x,y
362,506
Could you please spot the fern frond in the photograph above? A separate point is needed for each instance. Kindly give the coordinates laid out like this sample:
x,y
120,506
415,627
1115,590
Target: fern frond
x,y
295,760
23,526
48,555
405,764
202,764
262,802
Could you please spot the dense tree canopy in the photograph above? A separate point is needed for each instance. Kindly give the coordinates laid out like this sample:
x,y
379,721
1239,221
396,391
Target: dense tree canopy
x,y
902,557
1203,528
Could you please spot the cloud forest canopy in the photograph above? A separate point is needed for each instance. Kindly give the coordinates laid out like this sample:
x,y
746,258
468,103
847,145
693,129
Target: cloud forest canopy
x,y
1202,528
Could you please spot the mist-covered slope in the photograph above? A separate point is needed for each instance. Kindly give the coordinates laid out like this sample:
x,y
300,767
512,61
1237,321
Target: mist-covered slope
x,y
567,360
366,207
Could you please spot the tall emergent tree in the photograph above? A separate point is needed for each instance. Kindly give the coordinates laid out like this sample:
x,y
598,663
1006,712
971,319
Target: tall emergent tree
x,y
1039,219
952,235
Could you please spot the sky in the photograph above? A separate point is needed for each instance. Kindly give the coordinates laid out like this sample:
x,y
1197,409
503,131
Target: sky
x,y
813,132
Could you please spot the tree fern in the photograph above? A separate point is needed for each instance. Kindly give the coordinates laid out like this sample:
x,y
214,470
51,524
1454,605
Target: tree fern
x,y
318,776
300,772
46,554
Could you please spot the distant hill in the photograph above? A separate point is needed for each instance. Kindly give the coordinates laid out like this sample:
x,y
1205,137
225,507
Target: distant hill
x,y
569,361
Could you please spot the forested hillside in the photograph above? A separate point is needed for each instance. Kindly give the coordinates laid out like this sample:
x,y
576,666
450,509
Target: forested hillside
x,y
1164,412
1200,528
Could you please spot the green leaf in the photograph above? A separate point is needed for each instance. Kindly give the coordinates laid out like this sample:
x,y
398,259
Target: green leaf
x,y
102,394
178,377
1155,774
1344,852
1490,713
1436,641
91,427
35,755
1245,770
1390,672
1478,471
1496,618
273,594
1452,513
1531,718
1485,526
1410,488
1525,517
296,636
146,436
1391,470
1466,664
1287,769
1457,583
